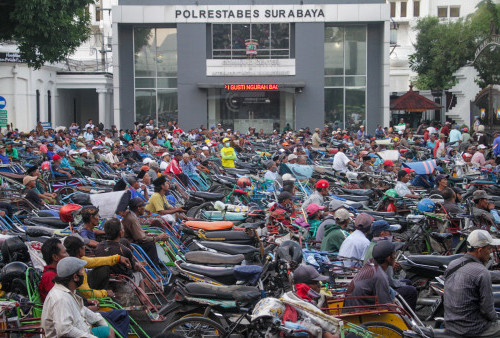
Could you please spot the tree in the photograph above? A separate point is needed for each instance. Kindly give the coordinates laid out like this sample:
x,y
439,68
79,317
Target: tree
x,y
45,30
444,47
440,50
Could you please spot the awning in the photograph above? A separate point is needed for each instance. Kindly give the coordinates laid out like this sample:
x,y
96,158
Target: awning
x,y
298,84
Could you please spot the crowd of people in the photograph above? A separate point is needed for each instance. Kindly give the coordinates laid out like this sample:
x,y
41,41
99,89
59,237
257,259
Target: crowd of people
x,y
166,151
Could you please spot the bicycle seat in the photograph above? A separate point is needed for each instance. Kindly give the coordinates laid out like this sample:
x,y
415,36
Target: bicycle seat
x,y
210,196
232,249
434,260
220,274
205,257
240,293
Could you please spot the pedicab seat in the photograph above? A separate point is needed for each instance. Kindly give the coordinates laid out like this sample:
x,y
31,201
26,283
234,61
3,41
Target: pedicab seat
x,y
232,249
244,294
358,192
434,260
381,213
237,171
49,221
204,257
355,198
209,226
220,274
441,237
210,196
253,225
229,235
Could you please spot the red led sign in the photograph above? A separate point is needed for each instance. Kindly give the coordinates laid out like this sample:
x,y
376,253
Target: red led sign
x,y
254,87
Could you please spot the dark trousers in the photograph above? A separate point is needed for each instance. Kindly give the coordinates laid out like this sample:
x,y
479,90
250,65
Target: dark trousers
x,y
99,277
183,178
410,295
150,250
7,208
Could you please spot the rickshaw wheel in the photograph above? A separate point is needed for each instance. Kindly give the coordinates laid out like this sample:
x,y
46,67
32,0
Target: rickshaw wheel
x,y
383,329
195,327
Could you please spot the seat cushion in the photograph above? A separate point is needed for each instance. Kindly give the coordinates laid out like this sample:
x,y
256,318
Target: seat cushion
x,y
244,294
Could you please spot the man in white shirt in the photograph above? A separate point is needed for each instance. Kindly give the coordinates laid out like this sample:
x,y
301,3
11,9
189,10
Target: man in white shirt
x,y
402,189
341,161
272,172
64,314
432,130
355,245
113,159
90,125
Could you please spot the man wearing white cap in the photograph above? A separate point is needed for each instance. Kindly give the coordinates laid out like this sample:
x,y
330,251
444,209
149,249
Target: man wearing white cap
x,y
64,314
478,157
468,298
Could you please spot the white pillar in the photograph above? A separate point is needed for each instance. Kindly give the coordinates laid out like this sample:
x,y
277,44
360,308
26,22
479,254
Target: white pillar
x,y
102,92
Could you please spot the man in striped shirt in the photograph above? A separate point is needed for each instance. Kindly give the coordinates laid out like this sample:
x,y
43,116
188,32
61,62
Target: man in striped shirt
x,y
468,297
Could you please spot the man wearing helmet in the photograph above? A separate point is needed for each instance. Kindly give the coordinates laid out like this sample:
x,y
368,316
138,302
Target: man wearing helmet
x,y
318,196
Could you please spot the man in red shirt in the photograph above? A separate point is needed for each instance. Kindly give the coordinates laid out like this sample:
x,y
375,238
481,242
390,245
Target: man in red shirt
x,y
174,168
53,251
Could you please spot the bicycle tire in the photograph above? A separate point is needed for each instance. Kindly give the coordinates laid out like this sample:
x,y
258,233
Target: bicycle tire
x,y
194,327
383,329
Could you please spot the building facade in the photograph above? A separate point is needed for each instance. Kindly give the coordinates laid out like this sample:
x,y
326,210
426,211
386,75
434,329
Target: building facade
x,y
251,64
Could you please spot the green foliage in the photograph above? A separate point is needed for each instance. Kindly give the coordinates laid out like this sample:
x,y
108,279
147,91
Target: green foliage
x,y
443,47
46,30
440,50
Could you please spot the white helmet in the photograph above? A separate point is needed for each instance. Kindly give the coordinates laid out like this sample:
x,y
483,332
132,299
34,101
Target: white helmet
x,y
288,177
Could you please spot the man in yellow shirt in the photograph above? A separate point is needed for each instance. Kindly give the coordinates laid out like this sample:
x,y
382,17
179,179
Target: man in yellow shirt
x,y
227,154
158,203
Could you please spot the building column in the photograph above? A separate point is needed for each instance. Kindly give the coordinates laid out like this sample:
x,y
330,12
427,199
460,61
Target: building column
x,y
102,92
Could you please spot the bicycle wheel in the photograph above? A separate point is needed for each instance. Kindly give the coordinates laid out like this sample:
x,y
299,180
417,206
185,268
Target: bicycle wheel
x,y
382,329
195,327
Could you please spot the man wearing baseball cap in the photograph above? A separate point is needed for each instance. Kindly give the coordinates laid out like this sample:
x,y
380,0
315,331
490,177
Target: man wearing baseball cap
x,y
335,233
388,168
354,247
318,196
314,217
402,189
333,206
468,297
64,314
483,212
307,283
372,279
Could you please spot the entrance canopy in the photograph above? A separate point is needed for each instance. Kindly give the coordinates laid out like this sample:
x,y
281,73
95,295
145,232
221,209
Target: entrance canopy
x,y
412,102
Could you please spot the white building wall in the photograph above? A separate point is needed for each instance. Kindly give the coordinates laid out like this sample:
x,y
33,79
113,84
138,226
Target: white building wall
x,y
400,72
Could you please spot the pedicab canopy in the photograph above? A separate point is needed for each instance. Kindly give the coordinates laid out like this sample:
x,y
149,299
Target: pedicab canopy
x,y
422,168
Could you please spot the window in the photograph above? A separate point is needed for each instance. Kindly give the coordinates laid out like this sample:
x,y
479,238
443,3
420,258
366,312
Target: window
x,y
454,12
155,61
37,105
393,9
403,9
416,8
233,41
345,76
49,106
98,10
442,12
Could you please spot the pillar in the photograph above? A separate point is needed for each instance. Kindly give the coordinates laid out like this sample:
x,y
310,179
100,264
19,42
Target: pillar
x,y
102,92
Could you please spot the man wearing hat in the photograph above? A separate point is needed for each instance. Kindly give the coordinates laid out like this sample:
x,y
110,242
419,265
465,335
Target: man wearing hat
x,y
316,138
307,283
478,157
335,233
355,245
134,232
30,193
292,158
227,154
371,279
64,314
318,196
483,211
333,206
402,189
468,297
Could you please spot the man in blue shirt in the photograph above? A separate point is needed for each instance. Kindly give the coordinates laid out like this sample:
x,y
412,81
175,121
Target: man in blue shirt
x,y
496,143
